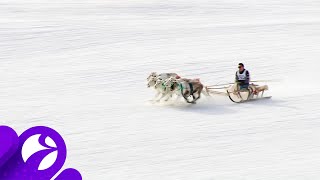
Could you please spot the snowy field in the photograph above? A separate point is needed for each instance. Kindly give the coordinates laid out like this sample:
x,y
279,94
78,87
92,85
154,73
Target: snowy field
x,y
80,67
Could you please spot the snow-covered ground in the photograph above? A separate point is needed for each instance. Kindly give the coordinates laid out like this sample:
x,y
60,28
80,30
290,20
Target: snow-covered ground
x,y
80,67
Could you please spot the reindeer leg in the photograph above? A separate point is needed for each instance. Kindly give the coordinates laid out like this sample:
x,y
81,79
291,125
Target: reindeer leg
x,y
199,95
169,95
156,96
177,97
177,94
185,96
195,98
162,96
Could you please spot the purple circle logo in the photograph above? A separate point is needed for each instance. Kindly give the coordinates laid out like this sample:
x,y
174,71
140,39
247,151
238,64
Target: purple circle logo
x,y
38,153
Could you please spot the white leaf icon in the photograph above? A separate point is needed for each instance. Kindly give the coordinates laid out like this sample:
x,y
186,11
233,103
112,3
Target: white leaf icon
x,y
32,145
48,160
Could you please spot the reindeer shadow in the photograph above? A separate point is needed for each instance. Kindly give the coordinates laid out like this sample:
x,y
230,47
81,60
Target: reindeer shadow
x,y
209,106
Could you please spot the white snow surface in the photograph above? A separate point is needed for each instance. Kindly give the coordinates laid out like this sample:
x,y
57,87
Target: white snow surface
x,y
80,67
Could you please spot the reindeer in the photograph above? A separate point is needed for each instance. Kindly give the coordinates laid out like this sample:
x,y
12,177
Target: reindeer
x,y
187,87
157,82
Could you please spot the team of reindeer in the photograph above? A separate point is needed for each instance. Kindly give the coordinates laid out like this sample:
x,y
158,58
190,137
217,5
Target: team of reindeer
x,y
169,84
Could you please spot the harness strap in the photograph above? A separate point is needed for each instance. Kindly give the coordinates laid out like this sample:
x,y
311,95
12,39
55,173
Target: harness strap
x,y
181,89
163,85
172,87
191,88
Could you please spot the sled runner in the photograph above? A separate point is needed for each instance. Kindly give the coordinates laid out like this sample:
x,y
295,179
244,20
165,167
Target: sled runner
x,y
252,93
240,99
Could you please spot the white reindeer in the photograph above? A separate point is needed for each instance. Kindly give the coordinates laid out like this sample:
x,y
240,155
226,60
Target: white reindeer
x,y
157,82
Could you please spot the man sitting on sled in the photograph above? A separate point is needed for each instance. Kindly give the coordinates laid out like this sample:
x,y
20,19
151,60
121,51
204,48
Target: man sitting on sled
x,y
241,90
242,77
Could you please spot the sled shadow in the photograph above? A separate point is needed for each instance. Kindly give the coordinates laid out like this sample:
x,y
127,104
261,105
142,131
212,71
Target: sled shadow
x,y
273,103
